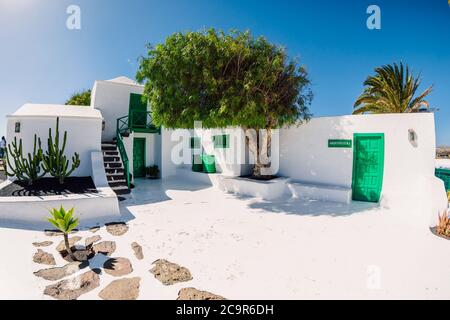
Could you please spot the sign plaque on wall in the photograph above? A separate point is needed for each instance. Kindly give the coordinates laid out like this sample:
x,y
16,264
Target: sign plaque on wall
x,y
339,143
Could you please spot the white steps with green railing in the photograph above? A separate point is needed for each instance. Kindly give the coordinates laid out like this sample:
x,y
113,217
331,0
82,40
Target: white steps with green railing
x,y
115,172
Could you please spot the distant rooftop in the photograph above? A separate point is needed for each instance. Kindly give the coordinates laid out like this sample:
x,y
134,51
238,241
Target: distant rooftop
x,y
56,110
124,80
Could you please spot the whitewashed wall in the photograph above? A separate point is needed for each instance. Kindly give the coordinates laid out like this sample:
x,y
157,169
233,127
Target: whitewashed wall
x,y
91,208
113,100
408,167
84,136
152,149
176,153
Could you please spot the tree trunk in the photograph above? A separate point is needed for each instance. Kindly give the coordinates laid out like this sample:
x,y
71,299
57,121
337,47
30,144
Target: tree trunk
x,y
69,251
259,143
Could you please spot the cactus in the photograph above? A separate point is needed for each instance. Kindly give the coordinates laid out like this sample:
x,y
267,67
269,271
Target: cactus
x,y
55,161
25,169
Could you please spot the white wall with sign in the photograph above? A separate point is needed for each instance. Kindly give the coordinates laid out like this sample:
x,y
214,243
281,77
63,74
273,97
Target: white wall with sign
x,y
409,162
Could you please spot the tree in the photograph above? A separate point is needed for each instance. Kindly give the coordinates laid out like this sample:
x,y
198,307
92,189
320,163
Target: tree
x,y
65,222
82,98
391,90
225,80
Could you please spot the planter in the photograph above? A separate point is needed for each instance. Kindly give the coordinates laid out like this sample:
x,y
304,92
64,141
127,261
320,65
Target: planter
x,y
264,189
197,165
209,163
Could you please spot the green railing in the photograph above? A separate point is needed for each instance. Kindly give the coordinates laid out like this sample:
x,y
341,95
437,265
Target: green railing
x,y
122,125
124,156
139,121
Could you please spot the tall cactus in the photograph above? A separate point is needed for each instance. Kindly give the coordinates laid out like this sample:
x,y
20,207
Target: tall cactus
x,y
25,169
55,161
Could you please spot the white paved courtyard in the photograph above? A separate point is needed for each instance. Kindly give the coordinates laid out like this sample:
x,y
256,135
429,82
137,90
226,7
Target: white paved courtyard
x,y
243,248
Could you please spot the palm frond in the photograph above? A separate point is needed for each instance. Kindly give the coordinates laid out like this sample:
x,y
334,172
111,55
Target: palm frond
x,y
391,90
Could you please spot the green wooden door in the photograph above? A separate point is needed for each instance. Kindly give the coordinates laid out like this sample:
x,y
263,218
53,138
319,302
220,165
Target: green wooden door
x,y
139,157
137,111
368,166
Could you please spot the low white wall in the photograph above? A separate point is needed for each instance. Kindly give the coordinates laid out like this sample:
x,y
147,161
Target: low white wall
x,y
304,152
443,163
91,208
83,136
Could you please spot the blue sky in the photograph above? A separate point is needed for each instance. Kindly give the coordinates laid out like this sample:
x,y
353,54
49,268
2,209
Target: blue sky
x,y
42,61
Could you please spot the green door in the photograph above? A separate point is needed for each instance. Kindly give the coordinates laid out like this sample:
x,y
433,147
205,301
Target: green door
x,y
137,111
139,157
368,166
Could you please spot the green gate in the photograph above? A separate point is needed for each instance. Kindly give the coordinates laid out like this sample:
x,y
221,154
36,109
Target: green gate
x,y
368,166
139,157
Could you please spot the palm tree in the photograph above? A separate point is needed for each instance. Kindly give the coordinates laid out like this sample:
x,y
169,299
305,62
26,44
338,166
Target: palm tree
x,y
64,221
82,98
391,90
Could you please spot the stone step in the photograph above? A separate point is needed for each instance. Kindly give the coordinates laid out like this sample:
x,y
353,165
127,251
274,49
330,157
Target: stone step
x,y
111,158
110,153
114,170
115,176
114,164
117,183
121,190
109,147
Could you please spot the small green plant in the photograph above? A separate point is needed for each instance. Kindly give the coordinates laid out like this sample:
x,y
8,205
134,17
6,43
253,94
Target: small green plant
x,y
55,161
25,169
153,171
65,222
443,227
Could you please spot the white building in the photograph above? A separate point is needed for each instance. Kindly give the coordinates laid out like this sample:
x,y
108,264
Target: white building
x,y
386,158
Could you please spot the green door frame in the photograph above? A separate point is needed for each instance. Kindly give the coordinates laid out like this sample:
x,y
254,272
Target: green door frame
x,y
144,151
380,172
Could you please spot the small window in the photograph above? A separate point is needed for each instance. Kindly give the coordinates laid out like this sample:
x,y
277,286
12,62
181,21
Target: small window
x,y
221,141
195,143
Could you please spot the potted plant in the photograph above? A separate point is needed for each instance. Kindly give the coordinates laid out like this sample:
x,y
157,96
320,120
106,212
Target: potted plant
x,y
153,172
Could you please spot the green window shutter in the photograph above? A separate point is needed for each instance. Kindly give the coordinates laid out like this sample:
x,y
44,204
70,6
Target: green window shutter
x,y
195,143
221,141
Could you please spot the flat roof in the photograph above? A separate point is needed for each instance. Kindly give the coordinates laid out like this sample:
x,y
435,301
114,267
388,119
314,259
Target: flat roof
x,y
56,110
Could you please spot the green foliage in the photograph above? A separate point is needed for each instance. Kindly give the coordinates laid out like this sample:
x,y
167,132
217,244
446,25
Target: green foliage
x,y
391,90
223,80
25,169
82,98
55,161
63,220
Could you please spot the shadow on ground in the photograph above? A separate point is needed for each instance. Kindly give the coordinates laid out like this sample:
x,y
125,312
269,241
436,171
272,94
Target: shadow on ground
x,y
313,207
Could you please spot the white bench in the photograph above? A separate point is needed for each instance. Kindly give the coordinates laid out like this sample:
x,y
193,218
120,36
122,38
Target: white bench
x,y
323,192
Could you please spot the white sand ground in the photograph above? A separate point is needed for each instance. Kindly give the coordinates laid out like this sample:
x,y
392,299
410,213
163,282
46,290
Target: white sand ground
x,y
250,249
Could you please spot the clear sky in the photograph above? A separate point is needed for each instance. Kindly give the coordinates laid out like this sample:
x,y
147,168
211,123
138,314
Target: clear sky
x,y
42,61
